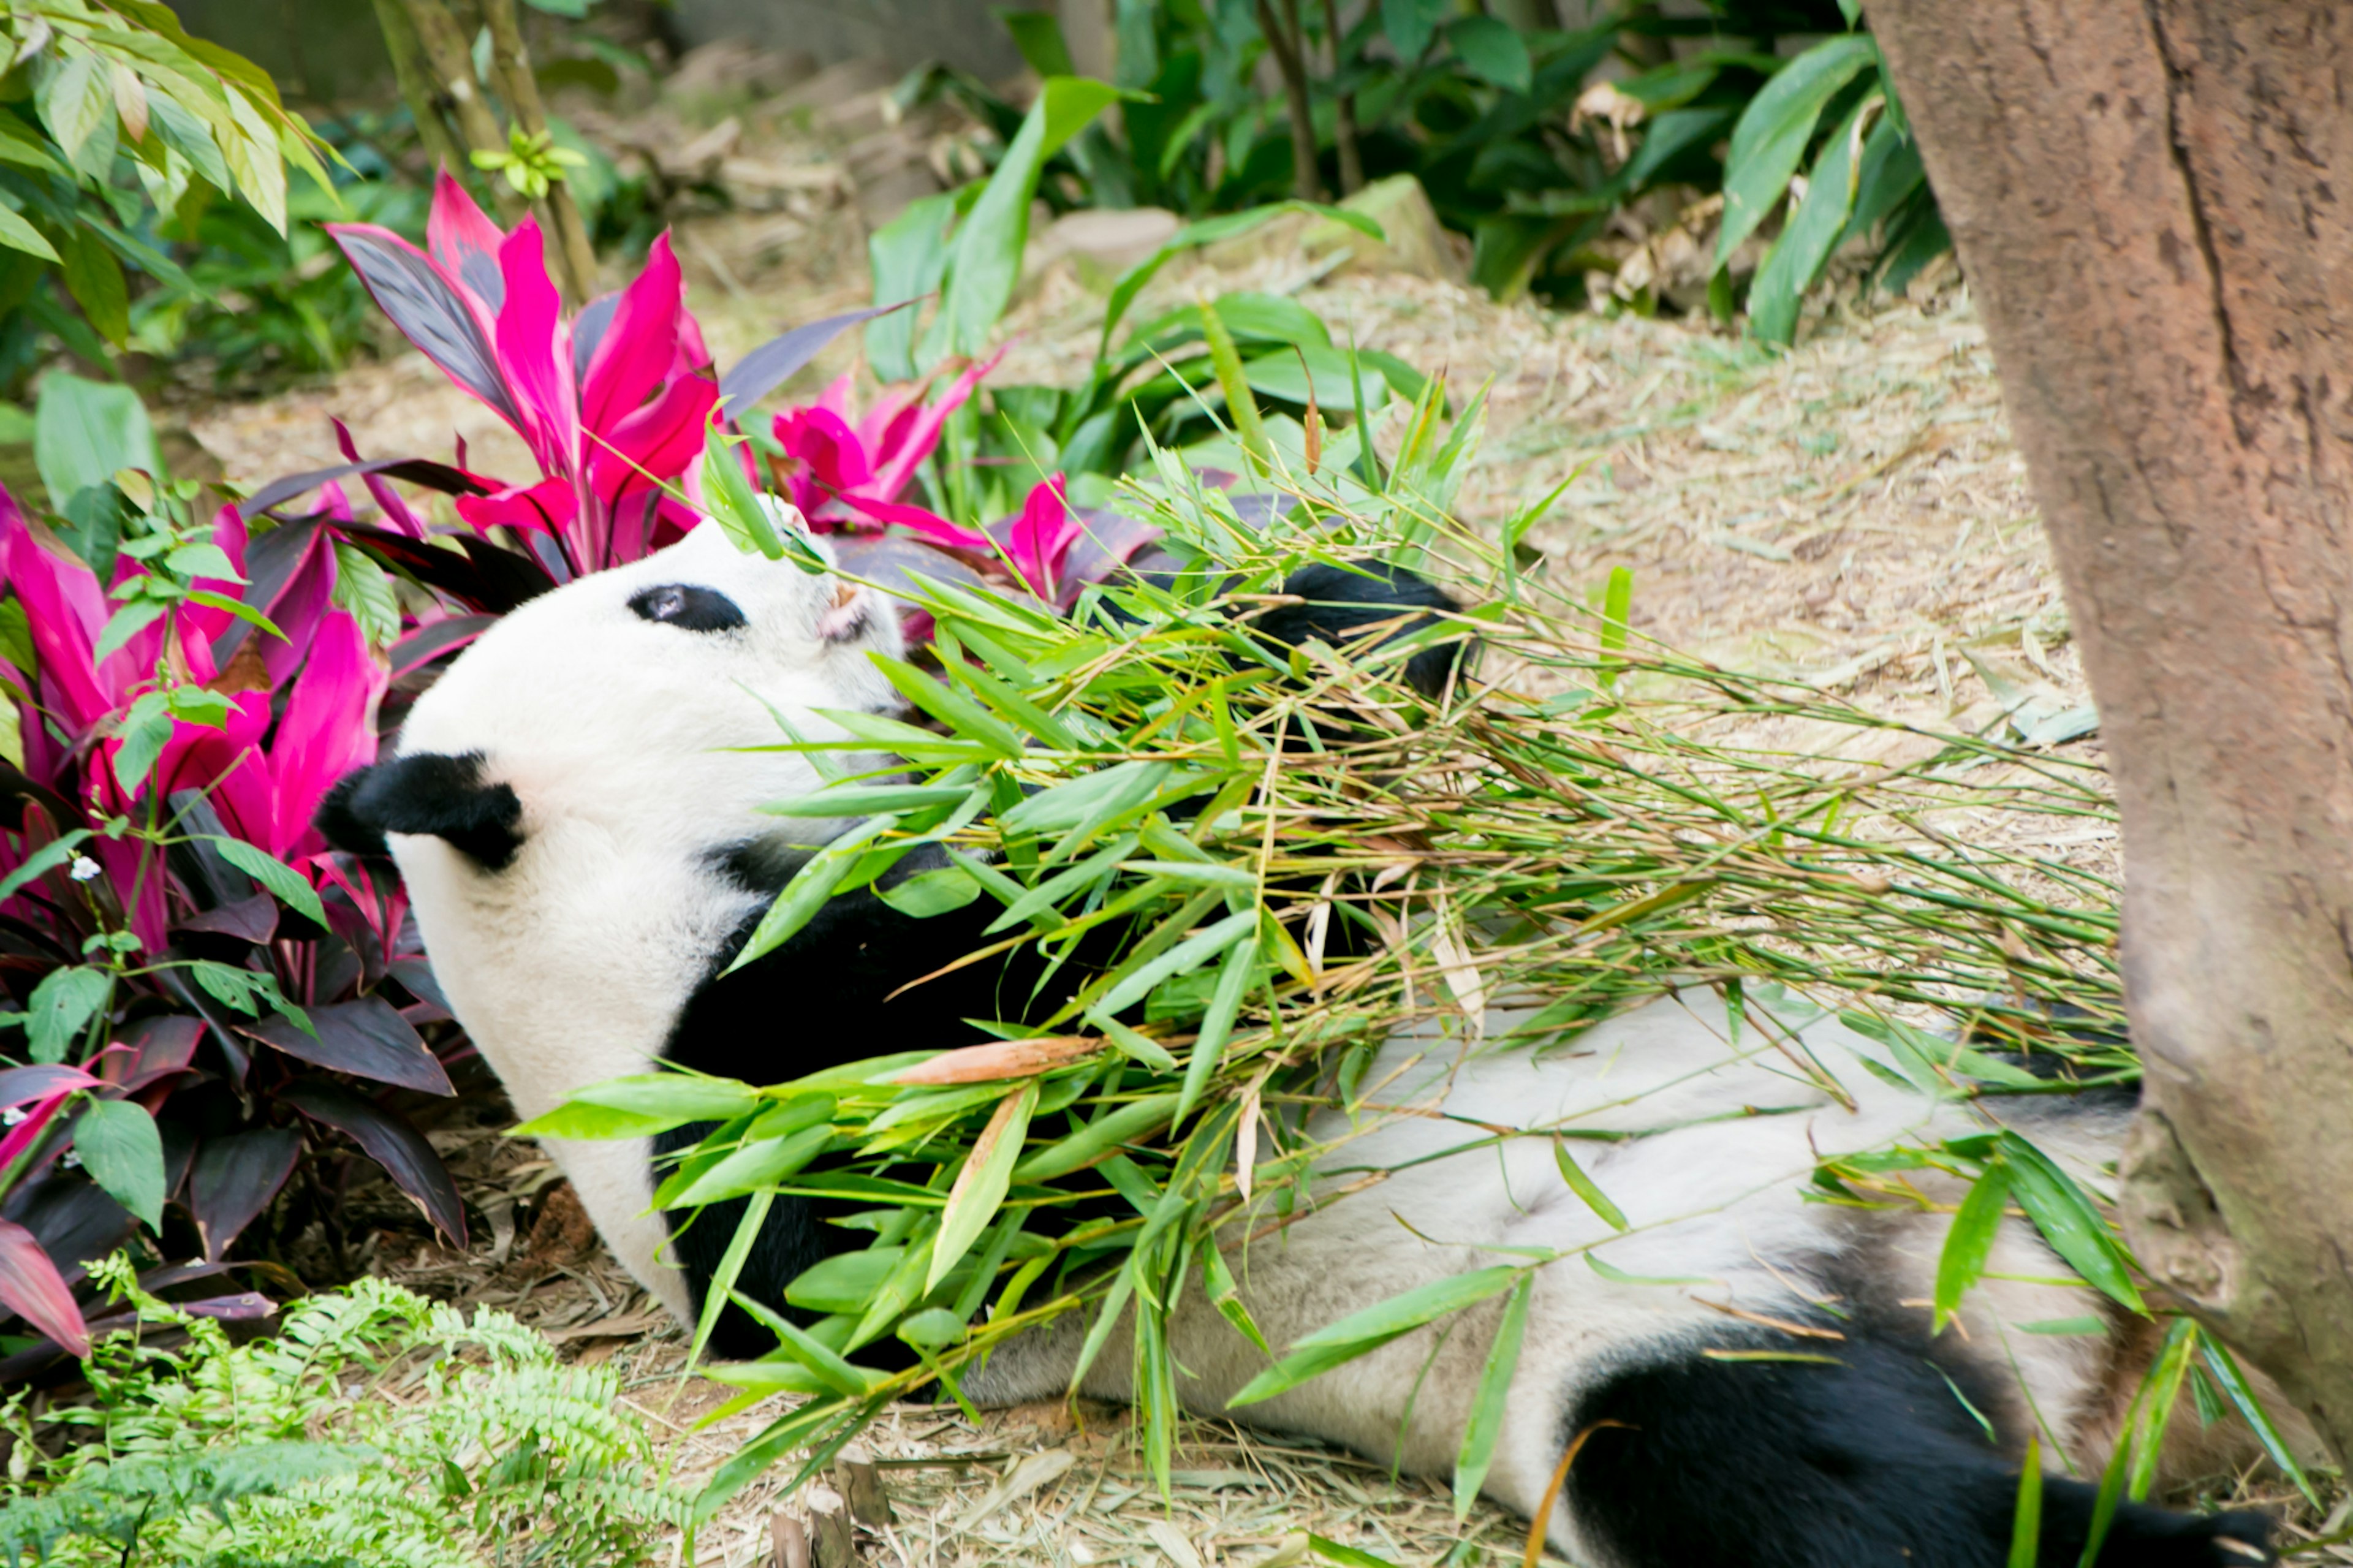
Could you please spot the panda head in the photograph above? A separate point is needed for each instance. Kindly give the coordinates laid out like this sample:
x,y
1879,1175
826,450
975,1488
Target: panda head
x,y
634,709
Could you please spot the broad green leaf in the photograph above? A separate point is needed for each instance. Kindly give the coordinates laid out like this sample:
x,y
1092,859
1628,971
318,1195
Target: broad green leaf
x,y
1584,1187
2104,1504
967,718
986,255
1039,35
1492,50
1411,24
1105,1133
2161,1395
908,255
61,1006
1218,1023
1101,794
1210,231
18,234
731,501
2234,1383
591,1122
124,1154
1225,1294
1376,1326
365,589
981,1184
77,104
287,885
1771,137
2067,1219
1796,260
1240,406
83,431
1486,1423
41,862
754,1166
93,276
1970,1241
794,1340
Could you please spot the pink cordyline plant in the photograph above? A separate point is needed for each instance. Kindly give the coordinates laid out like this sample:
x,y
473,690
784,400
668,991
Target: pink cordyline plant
x,y
264,779
615,404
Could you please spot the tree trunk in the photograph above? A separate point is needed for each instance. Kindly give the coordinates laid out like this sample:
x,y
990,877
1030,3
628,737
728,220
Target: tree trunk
x,y
1344,133
1290,58
451,61
2146,200
511,61
413,73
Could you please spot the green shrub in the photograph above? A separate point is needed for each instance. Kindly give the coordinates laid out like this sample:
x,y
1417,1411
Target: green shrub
x,y
375,1427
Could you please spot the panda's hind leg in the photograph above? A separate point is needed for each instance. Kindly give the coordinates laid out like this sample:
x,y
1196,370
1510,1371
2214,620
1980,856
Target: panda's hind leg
x,y
1865,1460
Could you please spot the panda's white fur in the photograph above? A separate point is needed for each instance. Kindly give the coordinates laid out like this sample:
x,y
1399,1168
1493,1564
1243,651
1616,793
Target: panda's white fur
x,y
622,740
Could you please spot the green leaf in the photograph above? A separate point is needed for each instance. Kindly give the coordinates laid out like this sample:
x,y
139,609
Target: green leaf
x,y
865,800
365,589
980,1187
77,104
592,1121
1218,1023
1796,260
845,1282
720,1289
93,276
908,255
41,862
1376,1326
754,1166
1346,1556
1771,137
1210,231
1486,1423
2067,1219
1970,1241
987,255
675,1095
1039,35
127,623
934,892
1492,50
1240,406
1617,1276
968,719
2234,1383
1225,1294
1189,955
2026,1525
287,885
1583,1186
1411,24
732,502
807,892
18,234
124,1154
85,430
61,1006
1097,796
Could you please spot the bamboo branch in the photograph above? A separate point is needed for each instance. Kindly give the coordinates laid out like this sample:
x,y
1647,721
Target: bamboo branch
x,y
1305,183
511,61
445,51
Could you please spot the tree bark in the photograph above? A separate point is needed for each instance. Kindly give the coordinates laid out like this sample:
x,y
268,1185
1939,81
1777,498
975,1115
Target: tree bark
x,y
1343,132
2145,198
1291,59
511,61
452,64
413,73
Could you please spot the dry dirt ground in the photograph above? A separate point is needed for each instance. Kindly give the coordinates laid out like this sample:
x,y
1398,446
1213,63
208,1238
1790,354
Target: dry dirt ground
x,y
1853,513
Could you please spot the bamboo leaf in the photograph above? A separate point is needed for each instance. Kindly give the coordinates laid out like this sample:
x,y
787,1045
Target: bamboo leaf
x,y
2026,1524
2067,1220
981,1186
1486,1424
1366,1330
1583,1186
1970,1241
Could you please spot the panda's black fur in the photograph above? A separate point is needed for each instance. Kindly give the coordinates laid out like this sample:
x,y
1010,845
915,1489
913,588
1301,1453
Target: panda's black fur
x,y
1700,1446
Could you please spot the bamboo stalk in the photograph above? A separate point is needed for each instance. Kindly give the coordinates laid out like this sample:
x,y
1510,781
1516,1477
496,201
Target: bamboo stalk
x,y
511,59
1305,182
451,61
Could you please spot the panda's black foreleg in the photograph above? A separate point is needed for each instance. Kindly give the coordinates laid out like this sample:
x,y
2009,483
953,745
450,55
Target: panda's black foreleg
x,y
790,1240
1869,1460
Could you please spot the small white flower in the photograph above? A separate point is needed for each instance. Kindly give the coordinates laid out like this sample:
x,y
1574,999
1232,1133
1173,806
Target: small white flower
x,y
13,1115
84,869
71,1159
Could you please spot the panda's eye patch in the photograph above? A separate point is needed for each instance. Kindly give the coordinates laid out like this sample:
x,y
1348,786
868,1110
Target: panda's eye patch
x,y
695,609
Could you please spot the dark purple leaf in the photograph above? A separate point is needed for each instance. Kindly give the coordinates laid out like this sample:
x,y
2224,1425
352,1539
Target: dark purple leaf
x,y
1110,541
393,1144
416,975
235,1178
484,578
365,1038
71,1217
31,1286
1258,510
223,1023
767,367
18,1085
422,471
271,564
425,644
248,920
885,560
157,1048
430,313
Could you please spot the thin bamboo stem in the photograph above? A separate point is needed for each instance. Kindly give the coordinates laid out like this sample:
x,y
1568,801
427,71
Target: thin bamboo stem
x,y
1306,182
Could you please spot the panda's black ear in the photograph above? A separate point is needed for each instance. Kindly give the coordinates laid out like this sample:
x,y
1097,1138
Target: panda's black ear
x,y
430,793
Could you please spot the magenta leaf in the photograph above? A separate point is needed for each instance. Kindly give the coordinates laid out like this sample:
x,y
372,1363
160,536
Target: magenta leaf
x,y
534,359
32,1288
888,560
465,242
328,729
637,343
233,1180
771,364
18,1085
366,1039
158,1046
431,641
393,1144
429,312
547,506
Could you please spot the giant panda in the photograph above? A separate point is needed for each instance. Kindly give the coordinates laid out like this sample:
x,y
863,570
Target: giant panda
x,y
1745,1377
